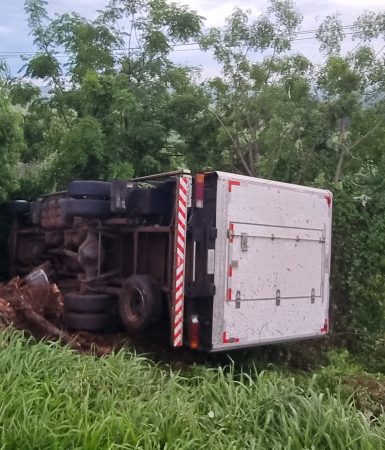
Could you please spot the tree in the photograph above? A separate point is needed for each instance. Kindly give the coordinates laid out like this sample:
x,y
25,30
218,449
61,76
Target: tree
x,y
282,116
254,101
116,92
11,142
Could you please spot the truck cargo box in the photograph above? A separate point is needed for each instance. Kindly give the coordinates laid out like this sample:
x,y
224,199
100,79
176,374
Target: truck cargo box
x,y
272,262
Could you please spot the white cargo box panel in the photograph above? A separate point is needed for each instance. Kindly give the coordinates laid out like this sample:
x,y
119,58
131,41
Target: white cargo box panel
x,y
272,262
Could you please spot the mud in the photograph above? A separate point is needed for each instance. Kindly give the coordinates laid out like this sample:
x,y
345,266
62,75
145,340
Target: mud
x,y
44,300
38,310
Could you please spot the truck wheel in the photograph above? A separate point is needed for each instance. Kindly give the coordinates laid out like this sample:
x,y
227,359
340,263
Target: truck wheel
x,y
87,207
139,303
86,322
20,207
85,188
88,303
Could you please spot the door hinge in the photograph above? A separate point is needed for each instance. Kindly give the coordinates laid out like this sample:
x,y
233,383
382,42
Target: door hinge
x,y
238,300
278,297
244,245
312,296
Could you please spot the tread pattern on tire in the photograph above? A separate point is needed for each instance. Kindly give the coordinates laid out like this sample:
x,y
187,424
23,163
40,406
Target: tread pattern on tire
x,y
93,208
88,207
88,303
86,322
20,207
152,302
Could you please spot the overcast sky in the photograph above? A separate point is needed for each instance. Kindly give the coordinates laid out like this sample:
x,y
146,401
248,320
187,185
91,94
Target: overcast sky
x,y
14,31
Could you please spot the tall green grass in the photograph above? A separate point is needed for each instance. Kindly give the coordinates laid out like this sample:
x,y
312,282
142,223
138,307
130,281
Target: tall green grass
x,y
53,398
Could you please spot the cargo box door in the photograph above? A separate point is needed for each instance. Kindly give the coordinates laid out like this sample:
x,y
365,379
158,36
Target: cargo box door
x,y
274,283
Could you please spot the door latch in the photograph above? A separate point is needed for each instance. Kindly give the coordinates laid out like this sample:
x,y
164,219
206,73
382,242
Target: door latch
x,y
312,296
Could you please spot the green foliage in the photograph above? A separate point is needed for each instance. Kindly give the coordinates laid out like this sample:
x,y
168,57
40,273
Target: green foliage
x,y
43,66
358,276
340,366
331,34
116,108
81,154
11,144
120,107
52,397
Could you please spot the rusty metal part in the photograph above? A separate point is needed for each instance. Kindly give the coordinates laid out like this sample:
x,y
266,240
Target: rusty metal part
x,y
91,254
163,175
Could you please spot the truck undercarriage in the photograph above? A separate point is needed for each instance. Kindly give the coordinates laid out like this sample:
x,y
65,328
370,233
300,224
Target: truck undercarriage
x,y
113,250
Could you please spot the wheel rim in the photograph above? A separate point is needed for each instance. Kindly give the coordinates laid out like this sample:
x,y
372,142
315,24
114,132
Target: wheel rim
x,y
136,304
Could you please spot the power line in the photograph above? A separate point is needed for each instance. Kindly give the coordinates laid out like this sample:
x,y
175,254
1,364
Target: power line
x,y
175,48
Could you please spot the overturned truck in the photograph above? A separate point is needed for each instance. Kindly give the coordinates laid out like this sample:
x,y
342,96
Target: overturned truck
x,y
220,260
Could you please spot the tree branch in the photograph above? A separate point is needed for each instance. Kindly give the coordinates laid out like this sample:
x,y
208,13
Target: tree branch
x,y
372,130
235,144
337,175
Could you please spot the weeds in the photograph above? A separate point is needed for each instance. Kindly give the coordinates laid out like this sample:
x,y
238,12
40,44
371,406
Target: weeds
x,y
53,398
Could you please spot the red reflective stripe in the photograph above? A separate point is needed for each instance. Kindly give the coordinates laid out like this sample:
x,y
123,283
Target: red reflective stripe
x,y
325,327
230,271
183,189
183,201
180,252
328,198
177,334
182,212
181,248
179,276
231,233
233,183
227,340
179,310
181,225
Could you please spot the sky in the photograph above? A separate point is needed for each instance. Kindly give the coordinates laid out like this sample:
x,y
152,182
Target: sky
x,y
15,38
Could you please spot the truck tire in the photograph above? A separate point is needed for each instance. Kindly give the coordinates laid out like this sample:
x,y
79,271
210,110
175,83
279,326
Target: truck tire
x,y
85,188
88,303
86,322
36,212
140,302
93,208
20,207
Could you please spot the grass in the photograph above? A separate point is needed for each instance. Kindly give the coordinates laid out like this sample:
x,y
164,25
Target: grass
x,y
53,398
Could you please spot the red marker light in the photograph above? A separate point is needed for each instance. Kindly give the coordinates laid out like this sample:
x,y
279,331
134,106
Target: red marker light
x,y
199,190
194,332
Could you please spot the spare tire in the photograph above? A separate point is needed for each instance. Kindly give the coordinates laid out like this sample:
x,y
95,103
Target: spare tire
x,y
140,302
20,207
85,188
88,303
86,322
86,207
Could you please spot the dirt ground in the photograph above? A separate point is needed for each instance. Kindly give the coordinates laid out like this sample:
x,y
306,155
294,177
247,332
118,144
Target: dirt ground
x,y
38,310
